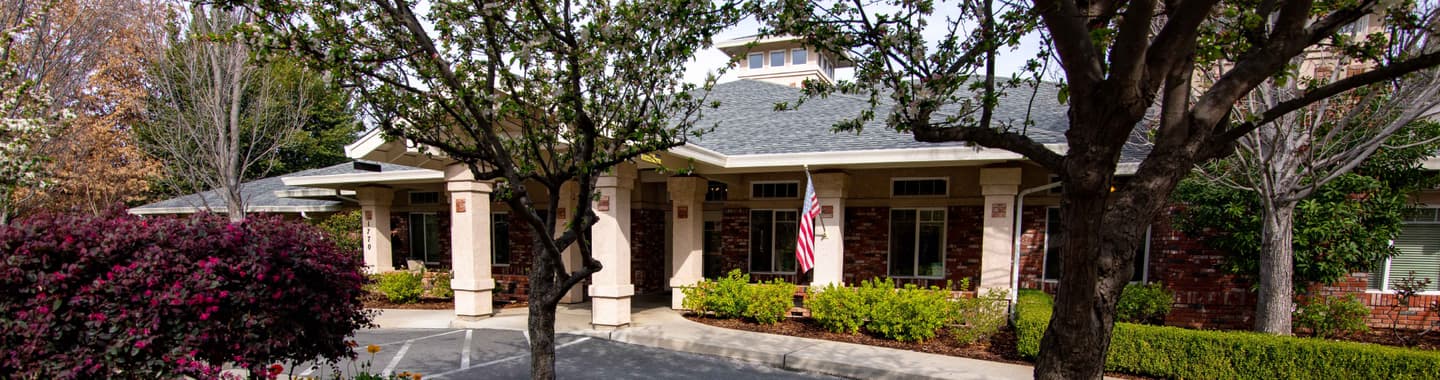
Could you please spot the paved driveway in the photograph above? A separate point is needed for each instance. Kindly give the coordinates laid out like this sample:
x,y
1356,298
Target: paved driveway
x,y
504,354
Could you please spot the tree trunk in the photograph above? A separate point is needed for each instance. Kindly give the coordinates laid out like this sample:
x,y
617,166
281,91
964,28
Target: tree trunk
x,y
1277,270
542,339
542,313
1075,345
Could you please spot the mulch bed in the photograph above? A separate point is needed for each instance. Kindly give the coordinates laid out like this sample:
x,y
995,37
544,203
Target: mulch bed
x,y
1430,341
1000,348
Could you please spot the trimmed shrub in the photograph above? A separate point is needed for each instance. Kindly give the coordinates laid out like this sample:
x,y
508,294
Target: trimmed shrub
x,y
92,296
1329,317
1147,304
980,317
768,303
911,314
440,285
1032,316
727,297
401,286
837,308
1171,352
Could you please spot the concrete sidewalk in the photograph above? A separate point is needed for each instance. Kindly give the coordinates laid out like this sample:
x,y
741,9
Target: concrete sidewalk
x,y
655,325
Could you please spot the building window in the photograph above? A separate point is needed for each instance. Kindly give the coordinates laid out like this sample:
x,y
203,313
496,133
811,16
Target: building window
x,y
913,187
425,237
772,241
774,190
777,58
717,192
757,60
798,56
500,239
424,197
917,243
1055,240
1419,253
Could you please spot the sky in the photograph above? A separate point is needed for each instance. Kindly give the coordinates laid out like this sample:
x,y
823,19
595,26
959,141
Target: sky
x,y
711,59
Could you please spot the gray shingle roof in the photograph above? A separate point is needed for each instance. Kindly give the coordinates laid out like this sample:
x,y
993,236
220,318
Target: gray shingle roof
x,y
260,194
748,123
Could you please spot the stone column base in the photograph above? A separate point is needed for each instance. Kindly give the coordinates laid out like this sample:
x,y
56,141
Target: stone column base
x,y
677,292
610,305
474,300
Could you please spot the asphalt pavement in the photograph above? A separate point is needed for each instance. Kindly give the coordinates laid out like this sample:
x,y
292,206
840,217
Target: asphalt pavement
x,y
504,354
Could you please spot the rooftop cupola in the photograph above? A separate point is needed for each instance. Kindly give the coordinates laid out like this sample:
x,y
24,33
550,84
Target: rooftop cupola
x,y
784,60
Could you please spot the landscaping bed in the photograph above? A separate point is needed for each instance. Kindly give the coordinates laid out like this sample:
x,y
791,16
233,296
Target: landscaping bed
x,y
999,347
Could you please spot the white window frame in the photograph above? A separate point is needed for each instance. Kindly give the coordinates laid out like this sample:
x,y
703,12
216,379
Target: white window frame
x,y
799,50
750,253
893,180
944,239
750,60
1045,257
770,61
799,192
493,217
1385,282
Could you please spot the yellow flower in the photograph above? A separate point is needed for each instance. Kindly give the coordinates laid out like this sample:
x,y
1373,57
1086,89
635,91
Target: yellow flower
x,y
372,348
415,377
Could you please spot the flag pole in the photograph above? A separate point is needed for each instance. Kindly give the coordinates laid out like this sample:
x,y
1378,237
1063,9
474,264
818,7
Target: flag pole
x,y
824,232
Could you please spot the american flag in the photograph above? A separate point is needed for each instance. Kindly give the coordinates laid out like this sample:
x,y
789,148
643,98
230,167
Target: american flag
x,y
805,239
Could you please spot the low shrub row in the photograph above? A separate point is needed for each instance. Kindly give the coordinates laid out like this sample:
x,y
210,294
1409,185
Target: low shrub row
x,y
408,287
734,297
909,313
1171,352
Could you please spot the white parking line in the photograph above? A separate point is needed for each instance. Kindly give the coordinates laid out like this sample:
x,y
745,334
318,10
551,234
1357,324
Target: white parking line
x,y
415,339
502,360
308,371
465,350
396,360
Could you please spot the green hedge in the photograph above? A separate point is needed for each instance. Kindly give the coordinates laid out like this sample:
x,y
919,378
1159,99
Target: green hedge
x,y
1171,352
734,297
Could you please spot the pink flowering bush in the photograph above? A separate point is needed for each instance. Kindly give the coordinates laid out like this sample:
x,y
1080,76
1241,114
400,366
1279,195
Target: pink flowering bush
x,y
123,296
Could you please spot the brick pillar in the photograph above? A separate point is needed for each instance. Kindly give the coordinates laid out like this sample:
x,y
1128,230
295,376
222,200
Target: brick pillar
x,y
830,228
611,289
687,212
999,186
571,256
470,243
375,227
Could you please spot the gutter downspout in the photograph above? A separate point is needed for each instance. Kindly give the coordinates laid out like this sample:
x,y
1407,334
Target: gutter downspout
x,y
1015,251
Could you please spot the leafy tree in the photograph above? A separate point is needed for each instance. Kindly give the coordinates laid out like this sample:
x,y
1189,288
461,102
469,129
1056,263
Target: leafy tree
x,y
330,124
529,93
1343,227
1129,71
27,115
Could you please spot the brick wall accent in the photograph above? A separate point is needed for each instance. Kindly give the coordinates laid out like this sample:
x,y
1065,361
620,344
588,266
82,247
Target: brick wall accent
x,y
1385,309
647,250
735,240
1206,296
522,248
964,228
1032,247
866,243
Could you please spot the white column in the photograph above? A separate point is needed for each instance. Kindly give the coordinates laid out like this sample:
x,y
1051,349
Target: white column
x,y
611,289
375,227
999,186
571,256
830,189
470,243
687,232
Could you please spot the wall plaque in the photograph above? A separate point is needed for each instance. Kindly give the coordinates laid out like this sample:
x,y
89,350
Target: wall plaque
x,y
827,211
999,210
604,204
460,206
682,212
